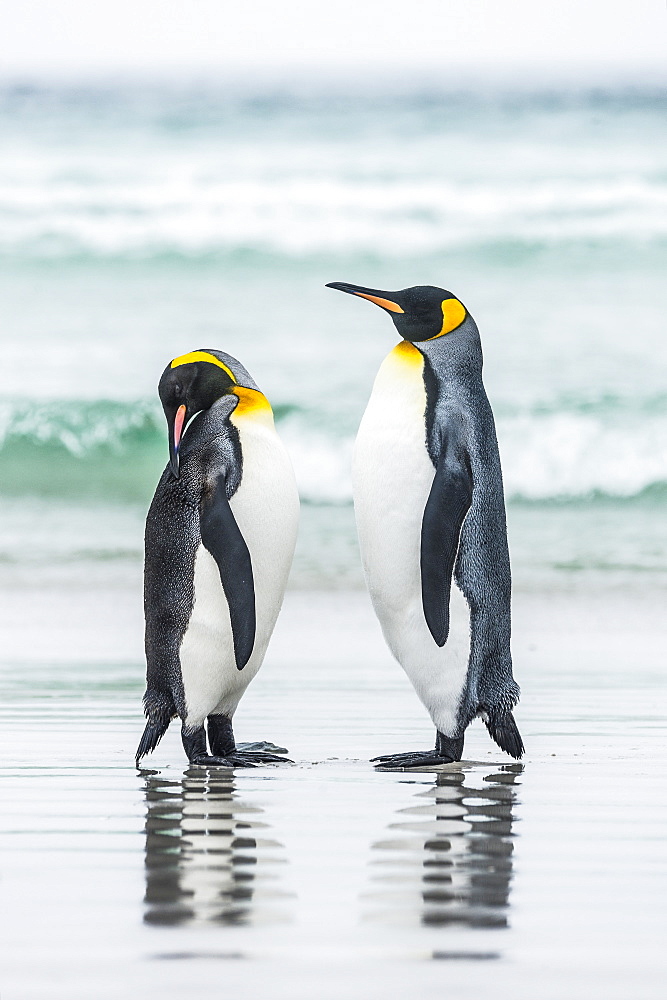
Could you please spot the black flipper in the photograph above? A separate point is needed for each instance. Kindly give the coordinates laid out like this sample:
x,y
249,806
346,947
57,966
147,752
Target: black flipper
x,y
503,729
222,537
448,503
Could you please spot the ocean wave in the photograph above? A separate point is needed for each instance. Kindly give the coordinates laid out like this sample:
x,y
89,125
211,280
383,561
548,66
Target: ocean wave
x,y
568,455
46,218
141,172
77,428
101,450
116,451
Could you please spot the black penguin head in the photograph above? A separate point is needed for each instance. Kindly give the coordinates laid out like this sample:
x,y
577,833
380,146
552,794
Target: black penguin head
x,y
420,313
189,384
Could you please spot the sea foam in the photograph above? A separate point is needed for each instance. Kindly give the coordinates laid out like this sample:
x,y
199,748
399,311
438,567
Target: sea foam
x,y
114,449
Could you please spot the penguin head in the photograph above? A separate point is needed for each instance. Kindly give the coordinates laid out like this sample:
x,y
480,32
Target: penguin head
x,y
420,313
190,384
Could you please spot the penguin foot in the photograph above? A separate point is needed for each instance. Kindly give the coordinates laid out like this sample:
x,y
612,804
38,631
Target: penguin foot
x,y
225,753
206,760
223,744
420,758
261,745
448,750
244,752
238,758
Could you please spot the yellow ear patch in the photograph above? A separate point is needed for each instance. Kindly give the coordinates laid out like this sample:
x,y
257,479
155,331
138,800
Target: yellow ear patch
x,y
453,314
188,359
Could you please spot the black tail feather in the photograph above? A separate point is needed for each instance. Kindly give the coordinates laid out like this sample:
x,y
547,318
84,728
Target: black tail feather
x,y
503,729
151,737
160,710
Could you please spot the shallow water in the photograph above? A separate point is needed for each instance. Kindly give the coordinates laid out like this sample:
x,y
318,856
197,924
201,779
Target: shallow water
x,y
326,878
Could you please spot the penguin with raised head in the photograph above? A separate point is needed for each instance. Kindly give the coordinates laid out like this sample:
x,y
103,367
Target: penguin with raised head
x,y
428,498
220,536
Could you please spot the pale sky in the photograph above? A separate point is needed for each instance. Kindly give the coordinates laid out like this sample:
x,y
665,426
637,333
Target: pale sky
x,y
283,37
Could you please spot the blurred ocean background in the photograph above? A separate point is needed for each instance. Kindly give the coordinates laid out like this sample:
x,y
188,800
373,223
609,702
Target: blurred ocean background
x,y
140,222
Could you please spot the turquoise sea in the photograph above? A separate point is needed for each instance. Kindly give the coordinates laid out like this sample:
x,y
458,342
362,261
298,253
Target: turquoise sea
x,y
139,222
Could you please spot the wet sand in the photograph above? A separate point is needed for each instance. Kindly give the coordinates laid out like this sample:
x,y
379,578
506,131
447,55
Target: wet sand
x,y
326,879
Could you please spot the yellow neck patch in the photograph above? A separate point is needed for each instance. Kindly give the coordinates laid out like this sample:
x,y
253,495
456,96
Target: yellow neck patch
x,y
252,405
193,356
407,354
453,314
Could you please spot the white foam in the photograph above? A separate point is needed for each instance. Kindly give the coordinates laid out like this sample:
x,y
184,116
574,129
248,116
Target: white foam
x,y
546,456
572,455
322,462
189,204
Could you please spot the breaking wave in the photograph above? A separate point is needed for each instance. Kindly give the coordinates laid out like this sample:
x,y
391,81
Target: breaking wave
x,y
152,173
581,450
188,215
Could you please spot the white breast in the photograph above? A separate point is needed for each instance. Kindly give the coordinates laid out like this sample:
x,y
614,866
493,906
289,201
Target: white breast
x,y
266,509
392,478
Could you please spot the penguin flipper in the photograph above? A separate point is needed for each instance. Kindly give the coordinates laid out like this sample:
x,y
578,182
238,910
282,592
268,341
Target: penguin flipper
x,y
222,537
447,505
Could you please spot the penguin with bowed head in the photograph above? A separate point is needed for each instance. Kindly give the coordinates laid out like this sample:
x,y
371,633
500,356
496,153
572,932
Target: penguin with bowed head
x,y
220,536
429,506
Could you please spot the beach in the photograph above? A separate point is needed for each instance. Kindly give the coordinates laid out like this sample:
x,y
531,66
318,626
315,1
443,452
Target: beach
x,y
141,222
326,877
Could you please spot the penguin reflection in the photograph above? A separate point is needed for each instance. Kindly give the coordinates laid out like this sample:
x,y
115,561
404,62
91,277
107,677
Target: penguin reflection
x,y
204,862
464,835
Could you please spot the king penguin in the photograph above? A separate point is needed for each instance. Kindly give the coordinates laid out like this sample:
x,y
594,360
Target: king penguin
x,y
220,536
429,506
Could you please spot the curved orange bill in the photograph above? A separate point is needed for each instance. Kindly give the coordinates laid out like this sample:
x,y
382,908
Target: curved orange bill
x,y
380,298
176,433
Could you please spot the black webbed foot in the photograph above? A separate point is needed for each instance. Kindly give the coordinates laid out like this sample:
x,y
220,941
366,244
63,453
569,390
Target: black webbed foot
x,y
398,761
254,757
206,760
224,752
262,746
237,758
448,750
